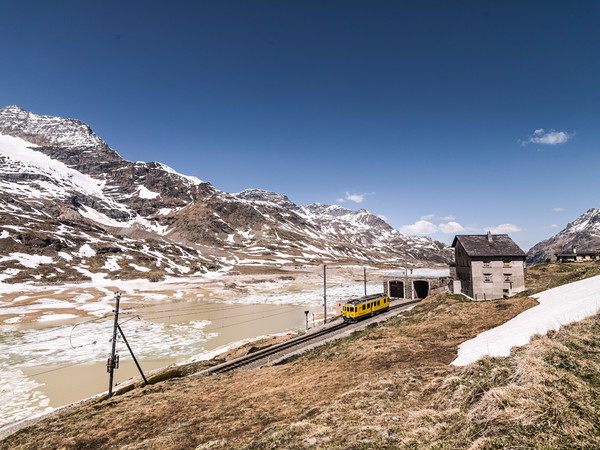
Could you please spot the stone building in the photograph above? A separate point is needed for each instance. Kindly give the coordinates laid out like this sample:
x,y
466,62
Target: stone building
x,y
488,266
417,283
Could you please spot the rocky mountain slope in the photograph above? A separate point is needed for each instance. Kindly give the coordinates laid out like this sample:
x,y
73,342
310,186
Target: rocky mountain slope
x,y
583,234
73,208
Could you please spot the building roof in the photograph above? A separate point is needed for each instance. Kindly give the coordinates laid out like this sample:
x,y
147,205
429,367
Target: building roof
x,y
420,273
479,245
571,254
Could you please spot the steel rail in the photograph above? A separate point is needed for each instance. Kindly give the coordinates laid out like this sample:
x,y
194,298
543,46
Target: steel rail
x,y
234,364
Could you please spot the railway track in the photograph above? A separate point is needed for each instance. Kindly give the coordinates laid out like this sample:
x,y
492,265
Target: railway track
x,y
274,350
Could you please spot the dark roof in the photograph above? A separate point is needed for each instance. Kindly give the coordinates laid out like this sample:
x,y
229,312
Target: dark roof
x,y
478,245
588,253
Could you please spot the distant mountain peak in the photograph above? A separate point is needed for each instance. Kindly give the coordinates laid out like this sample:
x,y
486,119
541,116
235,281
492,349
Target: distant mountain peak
x,y
47,130
12,109
583,233
262,195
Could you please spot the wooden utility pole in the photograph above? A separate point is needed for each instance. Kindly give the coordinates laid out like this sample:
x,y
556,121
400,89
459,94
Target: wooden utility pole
x,y
112,361
365,269
324,294
405,277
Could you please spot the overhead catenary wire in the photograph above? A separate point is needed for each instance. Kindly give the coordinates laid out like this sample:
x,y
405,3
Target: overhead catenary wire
x,y
193,307
55,369
207,329
250,320
185,300
149,316
216,318
56,328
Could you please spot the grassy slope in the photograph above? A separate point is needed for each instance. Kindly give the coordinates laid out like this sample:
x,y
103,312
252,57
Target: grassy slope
x,y
389,386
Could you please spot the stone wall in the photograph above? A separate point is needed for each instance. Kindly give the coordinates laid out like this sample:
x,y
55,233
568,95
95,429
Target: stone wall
x,y
415,287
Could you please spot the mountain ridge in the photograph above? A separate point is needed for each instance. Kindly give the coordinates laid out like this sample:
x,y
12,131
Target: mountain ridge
x,y
60,169
583,234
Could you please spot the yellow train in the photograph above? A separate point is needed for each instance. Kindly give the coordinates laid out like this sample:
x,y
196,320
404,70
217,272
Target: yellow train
x,y
361,308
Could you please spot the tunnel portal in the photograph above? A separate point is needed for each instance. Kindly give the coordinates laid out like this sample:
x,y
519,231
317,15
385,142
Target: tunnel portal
x,y
421,288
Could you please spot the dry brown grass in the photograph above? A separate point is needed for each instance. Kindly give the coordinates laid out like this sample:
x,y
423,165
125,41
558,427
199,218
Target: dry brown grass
x,y
389,386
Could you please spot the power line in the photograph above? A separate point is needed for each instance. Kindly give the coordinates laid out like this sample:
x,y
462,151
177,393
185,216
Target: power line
x,y
48,330
55,369
207,329
246,321
170,303
216,318
192,307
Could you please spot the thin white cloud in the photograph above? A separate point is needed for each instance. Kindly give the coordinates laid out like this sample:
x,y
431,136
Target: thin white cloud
x,y
357,198
437,218
557,209
552,137
551,226
382,217
451,228
504,228
446,218
419,227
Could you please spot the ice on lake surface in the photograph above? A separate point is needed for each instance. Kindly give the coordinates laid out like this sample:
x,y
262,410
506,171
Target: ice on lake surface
x,y
174,330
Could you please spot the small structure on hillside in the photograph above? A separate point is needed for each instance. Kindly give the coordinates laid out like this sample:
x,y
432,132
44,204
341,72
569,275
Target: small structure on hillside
x,y
417,283
575,256
488,266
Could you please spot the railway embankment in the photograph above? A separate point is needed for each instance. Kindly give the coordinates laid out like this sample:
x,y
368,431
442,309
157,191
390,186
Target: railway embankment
x,y
388,385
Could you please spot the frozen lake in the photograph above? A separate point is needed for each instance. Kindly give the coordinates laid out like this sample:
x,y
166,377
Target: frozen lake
x,y
51,362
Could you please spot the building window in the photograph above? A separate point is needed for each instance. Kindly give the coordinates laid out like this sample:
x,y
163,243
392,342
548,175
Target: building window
x,y
507,278
487,264
487,277
506,263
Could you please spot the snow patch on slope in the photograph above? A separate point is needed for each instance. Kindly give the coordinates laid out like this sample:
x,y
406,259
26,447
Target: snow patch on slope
x,y
37,163
559,306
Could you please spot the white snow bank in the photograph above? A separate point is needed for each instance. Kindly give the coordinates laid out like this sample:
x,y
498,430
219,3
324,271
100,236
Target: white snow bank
x,y
144,192
86,251
31,261
54,317
37,162
559,306
140,268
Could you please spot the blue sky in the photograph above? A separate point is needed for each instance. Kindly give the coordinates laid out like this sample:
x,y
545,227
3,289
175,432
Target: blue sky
x,y
443,117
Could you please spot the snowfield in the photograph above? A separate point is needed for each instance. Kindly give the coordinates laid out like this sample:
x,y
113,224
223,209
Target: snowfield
x,y
558,306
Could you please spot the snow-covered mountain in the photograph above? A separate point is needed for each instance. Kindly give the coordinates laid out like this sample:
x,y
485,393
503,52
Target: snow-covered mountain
x,y
71,207
583,234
